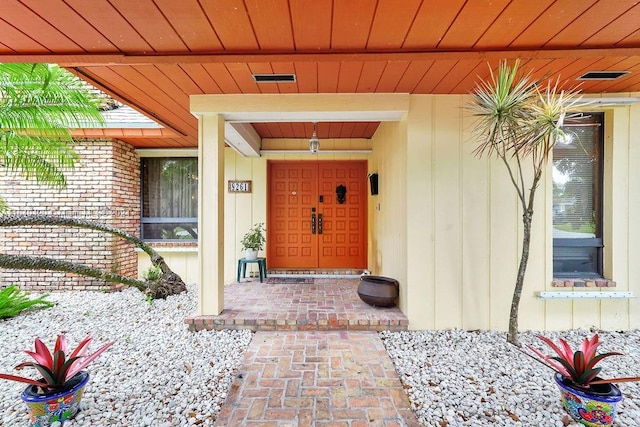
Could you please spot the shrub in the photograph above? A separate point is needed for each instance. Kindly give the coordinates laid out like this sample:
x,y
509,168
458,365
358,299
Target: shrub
x,y
13,301
153,274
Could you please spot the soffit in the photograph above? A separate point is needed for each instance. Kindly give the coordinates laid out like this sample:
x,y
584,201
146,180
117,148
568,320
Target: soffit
x,y
154,54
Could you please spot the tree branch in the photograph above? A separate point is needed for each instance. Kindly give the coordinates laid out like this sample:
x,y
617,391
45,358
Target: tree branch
x,y
23,262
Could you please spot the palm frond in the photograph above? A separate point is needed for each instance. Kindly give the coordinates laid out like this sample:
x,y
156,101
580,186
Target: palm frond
x,y
39,104
499,104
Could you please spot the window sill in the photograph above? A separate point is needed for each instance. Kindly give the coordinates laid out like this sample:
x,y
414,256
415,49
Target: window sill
x,y
583,283
585,295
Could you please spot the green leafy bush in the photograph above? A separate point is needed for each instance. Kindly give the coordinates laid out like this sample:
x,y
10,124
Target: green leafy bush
x,y
254,239
13,301
153,273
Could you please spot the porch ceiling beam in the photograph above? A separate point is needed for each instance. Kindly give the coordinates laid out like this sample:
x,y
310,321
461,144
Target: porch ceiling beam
x,y
89,59
243,138
294,107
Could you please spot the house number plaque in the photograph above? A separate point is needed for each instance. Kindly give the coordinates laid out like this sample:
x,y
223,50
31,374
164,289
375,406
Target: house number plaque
x,y
239,187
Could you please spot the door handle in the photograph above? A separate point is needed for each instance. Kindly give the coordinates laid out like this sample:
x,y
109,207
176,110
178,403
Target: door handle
x,y
319,223
313,223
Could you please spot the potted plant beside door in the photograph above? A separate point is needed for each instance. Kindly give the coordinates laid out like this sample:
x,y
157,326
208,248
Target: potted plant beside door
x,y
253,241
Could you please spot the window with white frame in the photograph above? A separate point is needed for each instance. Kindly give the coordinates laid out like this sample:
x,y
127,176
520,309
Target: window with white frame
x,y
169,198
578,171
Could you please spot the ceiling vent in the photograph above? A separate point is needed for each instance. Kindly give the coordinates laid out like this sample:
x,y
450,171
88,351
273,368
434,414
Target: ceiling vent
x,y
603,75
274,78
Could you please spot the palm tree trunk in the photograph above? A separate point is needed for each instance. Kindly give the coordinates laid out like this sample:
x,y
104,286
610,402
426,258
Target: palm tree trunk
x,y
22,262
527,217
512,336
170,282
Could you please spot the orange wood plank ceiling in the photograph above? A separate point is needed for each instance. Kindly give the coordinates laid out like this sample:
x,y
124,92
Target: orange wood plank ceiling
x,y
154,54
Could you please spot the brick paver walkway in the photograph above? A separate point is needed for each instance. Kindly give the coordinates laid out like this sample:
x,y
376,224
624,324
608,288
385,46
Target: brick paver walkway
x,y
316,378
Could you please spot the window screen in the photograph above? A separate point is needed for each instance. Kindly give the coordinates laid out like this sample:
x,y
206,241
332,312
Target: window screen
x,y
577,199
169,198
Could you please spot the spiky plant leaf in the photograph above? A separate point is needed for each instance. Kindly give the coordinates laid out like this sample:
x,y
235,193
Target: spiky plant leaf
x,y
56,370
13,301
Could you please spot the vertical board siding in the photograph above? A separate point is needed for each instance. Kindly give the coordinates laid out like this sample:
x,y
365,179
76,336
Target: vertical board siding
x,y
476,244
233,236
558,314
448,212
242,210
532,313
634,215
617,188
388,219
419,215
614,314
503,229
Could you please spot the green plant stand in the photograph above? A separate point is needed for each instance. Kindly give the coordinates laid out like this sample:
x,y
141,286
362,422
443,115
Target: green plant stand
x,y
242,267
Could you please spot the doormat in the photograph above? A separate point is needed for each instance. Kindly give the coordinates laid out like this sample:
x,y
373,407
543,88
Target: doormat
x,y
290,280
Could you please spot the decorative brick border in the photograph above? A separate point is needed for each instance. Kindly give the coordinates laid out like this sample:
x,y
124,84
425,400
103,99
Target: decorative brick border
x,y
583,283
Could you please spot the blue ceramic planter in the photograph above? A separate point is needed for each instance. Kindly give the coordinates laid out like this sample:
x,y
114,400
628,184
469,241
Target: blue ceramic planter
x,y
45,409
591,408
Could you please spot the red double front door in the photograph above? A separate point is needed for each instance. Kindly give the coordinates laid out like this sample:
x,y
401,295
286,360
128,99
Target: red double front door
x,y
317,214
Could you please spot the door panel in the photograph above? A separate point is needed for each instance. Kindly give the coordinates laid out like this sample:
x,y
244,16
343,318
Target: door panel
x,y
299,191
342,242
292,193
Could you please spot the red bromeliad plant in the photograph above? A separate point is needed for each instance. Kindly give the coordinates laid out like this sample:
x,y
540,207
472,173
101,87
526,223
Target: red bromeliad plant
x,y
579,365
56,368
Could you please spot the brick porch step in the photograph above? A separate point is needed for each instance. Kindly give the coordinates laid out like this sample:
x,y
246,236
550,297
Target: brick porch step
x,y
324,305
198,323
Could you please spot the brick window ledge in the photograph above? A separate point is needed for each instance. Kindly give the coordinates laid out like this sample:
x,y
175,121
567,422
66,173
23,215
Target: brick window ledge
x,y
583,283
173,244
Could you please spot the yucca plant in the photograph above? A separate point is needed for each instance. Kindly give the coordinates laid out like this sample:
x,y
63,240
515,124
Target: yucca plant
x,y
519,120
580,365
57,367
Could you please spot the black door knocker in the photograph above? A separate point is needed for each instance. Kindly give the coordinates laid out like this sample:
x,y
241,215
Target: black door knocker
x,y
341,192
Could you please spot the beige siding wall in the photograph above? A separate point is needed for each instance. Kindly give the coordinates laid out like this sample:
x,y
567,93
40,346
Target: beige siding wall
x,y
633,265
463,226
242,210
387,210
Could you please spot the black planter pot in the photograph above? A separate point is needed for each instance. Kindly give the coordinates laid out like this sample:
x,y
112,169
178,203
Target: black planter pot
x,y
378,291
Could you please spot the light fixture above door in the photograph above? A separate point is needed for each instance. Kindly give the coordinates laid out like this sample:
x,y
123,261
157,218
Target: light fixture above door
x,y
314,142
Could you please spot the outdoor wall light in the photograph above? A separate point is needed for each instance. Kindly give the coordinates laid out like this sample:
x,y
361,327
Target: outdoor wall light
x,y
314,142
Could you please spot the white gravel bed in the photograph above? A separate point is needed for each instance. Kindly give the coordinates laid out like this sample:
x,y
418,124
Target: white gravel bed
x,y
156,374
459,378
